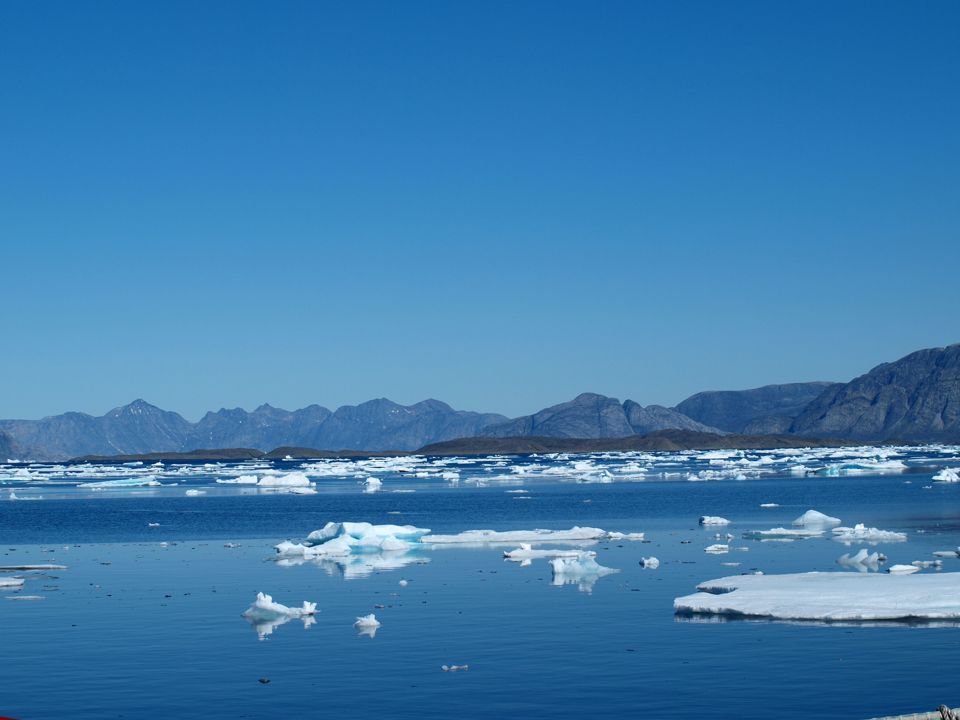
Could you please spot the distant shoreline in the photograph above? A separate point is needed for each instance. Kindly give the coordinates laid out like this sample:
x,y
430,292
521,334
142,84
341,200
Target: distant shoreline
x,y
663,440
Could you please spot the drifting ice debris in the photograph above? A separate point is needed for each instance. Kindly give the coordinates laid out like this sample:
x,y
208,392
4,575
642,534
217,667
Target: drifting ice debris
x,y
574,534
264,608
831,596
266,615
7,583
153,524
195,493
372,485
27,568
902,569
454,668
780,533
403,583
583,571
947,553
649,563
928,563
342,539
526,553
948,475
861,562
293,479
121,483
717,549
769,505
367,625
813,517
861,533
241,480
713,520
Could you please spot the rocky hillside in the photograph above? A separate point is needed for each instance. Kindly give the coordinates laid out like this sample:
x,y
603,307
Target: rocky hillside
x,y
593,416
763,410
915,398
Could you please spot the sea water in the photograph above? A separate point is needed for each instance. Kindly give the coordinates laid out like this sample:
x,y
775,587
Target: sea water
x,y
146,618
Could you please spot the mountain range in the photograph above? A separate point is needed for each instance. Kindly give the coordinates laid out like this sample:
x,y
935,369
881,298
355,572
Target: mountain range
x,y
916,398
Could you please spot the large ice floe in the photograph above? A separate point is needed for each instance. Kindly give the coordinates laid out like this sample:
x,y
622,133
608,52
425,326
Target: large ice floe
x,y
829,596
861,533
266,615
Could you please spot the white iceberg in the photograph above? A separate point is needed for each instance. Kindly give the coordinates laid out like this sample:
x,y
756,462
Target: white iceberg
x,y
831,596
649,563
372,485
341,539
367,625
583,571
265,615
293,479
948,475
813,517
713,520
861,533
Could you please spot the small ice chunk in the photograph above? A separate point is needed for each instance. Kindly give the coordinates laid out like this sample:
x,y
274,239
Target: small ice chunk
x,y
519,536
717,549
713,520
403,583
153,524
454,668
526,552
769,505
372,485
264,608
947,553
570,570
240,480
13,582
782,533
367,625
928,563
293,479
861,562
193,492
814,517
902,569
649,563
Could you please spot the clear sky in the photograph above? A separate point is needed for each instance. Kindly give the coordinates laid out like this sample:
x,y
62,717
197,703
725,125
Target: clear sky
x,y
497,204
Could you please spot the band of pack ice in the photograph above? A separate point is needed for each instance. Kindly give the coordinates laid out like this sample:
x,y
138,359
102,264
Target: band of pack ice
x,y
828,596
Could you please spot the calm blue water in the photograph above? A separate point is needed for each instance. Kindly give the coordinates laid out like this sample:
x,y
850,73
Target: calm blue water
x,y
136,629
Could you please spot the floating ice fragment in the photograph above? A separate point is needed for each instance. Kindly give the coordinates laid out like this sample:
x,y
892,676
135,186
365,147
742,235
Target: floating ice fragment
x,y
781,533
195,492
526,552
367,625
947,553
832,596
240,480
403,583
815,518
713,520
153,524
928,563
575,534
902,569
454,668
769,505
293,479
10,582
372,485
583,570
948,475
717,549
649,563
861,533
264,608
121,483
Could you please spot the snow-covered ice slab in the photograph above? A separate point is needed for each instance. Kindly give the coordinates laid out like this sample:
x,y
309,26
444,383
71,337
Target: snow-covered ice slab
x,y
815,518
287,480
7,583
829,596
861,533
948,475
713,520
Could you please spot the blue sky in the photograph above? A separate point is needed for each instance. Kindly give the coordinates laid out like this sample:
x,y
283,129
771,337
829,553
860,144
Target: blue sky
x,y
498,204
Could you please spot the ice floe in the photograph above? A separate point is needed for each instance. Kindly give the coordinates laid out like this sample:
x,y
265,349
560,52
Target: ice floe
x,y
782,533
286,480
948,475
861,533
574,534
265,615
7,583
713,520
717,549
525,553
372,485
649,563
367,625
583,571
902,569
835,596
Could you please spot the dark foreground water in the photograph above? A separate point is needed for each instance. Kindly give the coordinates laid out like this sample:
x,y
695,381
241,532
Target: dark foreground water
x,y
135,628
